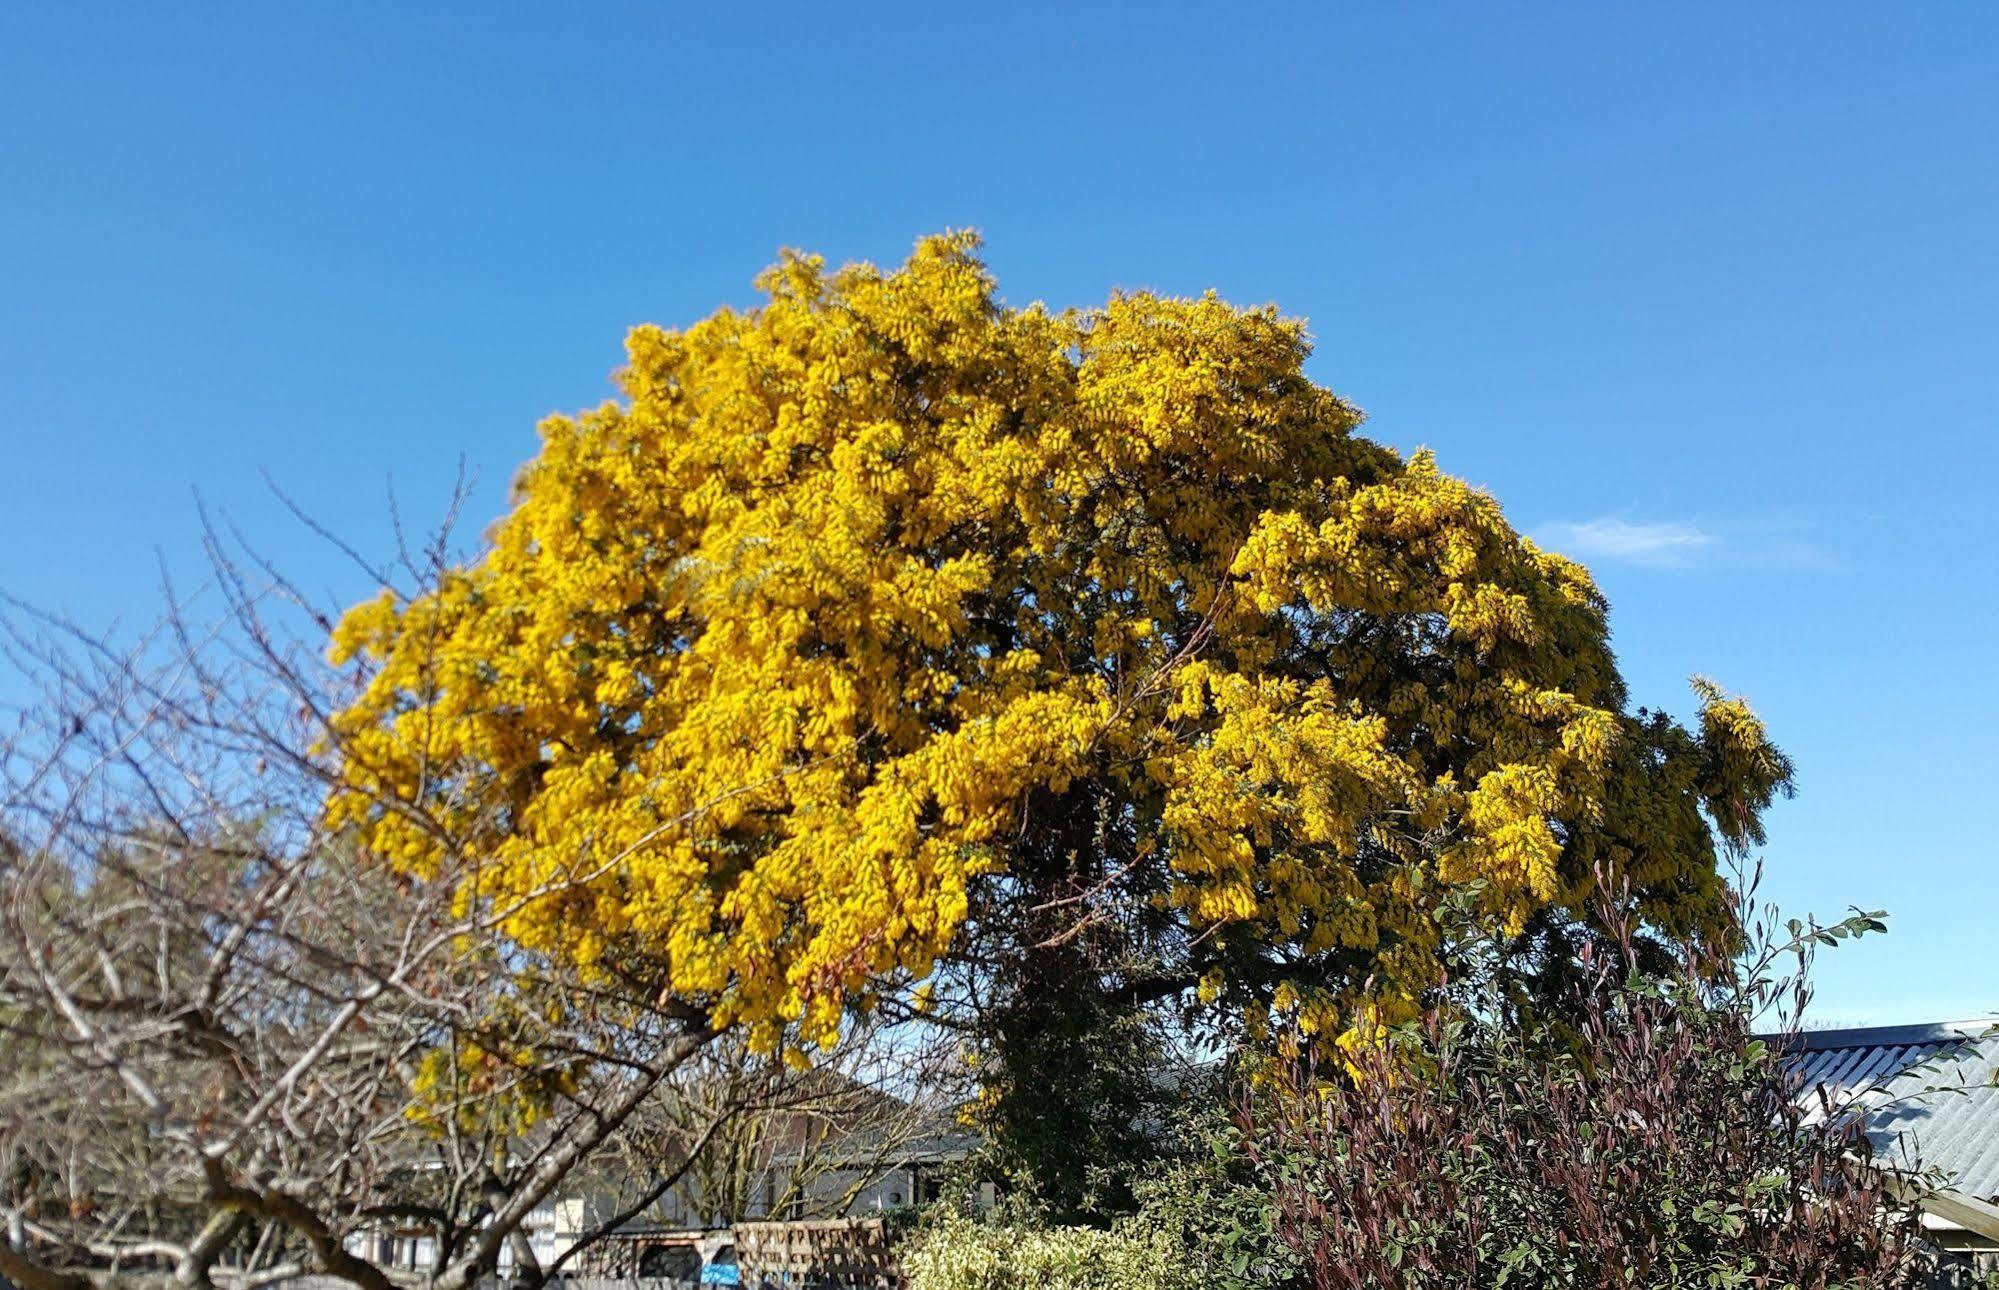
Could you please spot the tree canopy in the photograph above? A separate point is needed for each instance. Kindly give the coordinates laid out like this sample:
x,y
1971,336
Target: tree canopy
x,y
884,596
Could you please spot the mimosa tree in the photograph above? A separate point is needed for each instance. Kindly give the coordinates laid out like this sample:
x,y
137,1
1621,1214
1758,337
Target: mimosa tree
x,y
884,615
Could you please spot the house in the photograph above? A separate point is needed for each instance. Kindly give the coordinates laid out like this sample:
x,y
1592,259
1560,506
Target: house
x,y
822,1146
1930,1098
789,1172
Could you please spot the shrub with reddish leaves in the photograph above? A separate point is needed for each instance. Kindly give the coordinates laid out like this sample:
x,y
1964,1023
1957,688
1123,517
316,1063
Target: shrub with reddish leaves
x,y
1639,1136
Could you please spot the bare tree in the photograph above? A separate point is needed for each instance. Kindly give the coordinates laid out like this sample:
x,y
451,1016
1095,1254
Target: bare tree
x,y
808,1143
239,1047
748,1135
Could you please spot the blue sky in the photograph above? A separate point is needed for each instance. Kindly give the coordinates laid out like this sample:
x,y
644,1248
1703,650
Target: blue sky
x,y
1707,294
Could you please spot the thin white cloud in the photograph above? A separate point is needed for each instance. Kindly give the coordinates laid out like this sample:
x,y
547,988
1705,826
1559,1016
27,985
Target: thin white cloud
x,y
1664,544
1764,543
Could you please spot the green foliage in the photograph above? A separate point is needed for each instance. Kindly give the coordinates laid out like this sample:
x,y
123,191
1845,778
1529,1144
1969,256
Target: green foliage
x,y
1072,1082
959,1253
1220,1211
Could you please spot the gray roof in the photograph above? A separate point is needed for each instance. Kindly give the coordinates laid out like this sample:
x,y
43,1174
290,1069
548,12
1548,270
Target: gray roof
x,y
1928,1092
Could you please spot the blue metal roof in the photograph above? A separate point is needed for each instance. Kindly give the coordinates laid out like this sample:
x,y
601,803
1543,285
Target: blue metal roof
x,y
1930,1093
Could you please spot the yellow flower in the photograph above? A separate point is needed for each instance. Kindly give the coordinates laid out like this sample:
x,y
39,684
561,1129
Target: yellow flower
x,y
758,677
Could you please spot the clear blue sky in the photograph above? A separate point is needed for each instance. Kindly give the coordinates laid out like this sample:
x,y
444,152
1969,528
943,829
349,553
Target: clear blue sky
x,y
1706,293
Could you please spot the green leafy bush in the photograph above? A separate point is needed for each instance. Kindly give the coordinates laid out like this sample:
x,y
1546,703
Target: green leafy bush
x,y
1218,1208
959,1253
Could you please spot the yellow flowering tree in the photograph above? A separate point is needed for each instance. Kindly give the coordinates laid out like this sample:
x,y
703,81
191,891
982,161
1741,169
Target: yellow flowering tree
x,y
884,613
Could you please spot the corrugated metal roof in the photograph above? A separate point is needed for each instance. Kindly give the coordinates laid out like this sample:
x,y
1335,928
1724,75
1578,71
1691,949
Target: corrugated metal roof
x,y
1929,1093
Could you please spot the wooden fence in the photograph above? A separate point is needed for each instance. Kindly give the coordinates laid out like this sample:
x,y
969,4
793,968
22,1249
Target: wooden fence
x,y
839,1252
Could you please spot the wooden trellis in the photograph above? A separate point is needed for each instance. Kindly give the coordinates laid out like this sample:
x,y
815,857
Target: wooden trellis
x,y
832,1252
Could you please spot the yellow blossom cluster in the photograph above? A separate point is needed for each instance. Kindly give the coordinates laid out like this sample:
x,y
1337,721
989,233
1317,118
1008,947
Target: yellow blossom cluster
x,y
759,675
